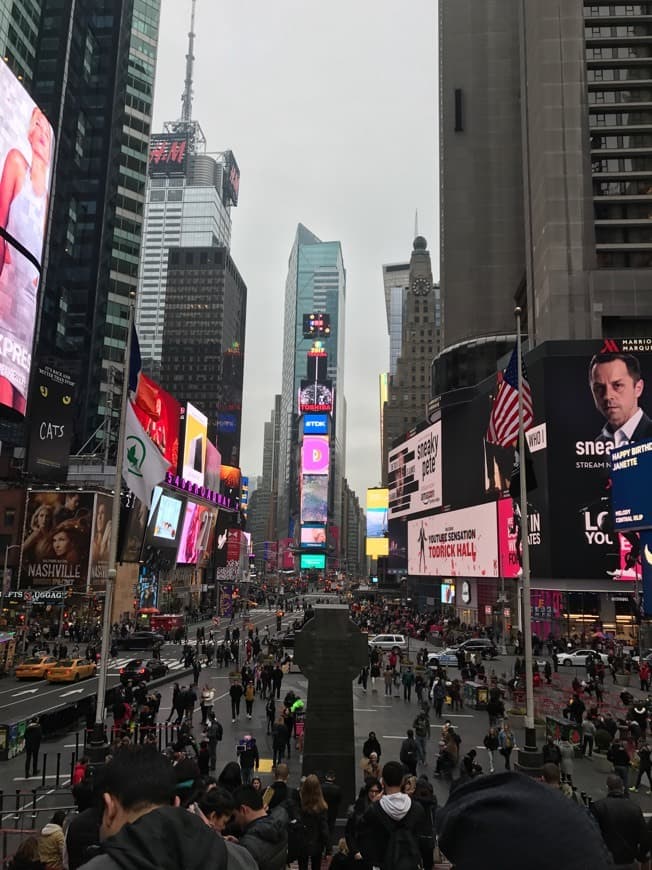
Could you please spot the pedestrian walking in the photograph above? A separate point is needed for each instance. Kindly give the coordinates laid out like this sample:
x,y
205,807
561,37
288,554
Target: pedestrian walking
x,y
206,702
491,744
644,767
567,760
249,758
588,736
388,678
421,727
214,733
409,754
408,681
270,713
249,696
235,693
507,743
33,737
438,698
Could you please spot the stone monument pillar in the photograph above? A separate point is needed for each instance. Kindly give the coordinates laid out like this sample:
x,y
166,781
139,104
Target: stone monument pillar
x,y
331,650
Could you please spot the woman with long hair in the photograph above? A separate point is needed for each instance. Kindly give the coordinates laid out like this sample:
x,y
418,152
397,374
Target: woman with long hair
x,y
314,815
370,792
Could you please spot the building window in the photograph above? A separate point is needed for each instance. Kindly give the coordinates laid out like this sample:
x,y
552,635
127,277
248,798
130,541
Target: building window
x,y
10,516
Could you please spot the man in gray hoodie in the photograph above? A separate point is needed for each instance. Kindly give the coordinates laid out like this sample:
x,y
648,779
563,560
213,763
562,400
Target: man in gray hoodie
x,y
140,829
394,810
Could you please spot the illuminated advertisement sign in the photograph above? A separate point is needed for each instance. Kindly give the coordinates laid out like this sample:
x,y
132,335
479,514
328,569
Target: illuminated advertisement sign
x,y
158,413
100,540
377,532
57,541
314,498
460,543
315,424
195,436
231,179
230,476
631,485
316,325
213,467
51,411
227,422
313,562
26,151
508,538
196,534
165,516
447,592
315,454
167,154
415,473
316,396
313,536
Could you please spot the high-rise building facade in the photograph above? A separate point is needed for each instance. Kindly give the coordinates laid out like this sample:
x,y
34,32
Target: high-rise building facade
x,y
396,280
316,283
20,21
409,387
262,514
92,73
544,116
204,340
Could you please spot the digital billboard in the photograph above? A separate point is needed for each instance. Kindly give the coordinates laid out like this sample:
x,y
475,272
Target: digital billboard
x,y
312,562
229,406
57,539
397,561
313,536
147,591
447,592
50,428
315,396
230,477
460,543
158,413
315,454
314,498
26,158
168,154
195,437
631,486
133,522
315,424
377,530
213,467
196,534
164,521
415,473
231,179
100,540
316,325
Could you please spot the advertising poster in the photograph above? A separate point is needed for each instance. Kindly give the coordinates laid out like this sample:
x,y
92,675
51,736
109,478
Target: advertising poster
x,y
314,498
285,555
159,413
315,454
167,154
226,600
196,534
51,412
147,591
460,543
509,539
397,561
213,466
313,536
316,396
100,540
165,515
315,424
598,397
377,529
133,522
26,156
313,562
56,546
415,473
229,406
230,477
222,525
631,487
195,438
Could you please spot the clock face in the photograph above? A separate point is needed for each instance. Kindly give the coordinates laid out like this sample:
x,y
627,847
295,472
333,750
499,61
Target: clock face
x,y
466,592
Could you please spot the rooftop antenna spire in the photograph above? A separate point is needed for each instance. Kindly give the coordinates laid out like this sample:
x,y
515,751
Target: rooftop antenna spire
x,y
416,222
186,97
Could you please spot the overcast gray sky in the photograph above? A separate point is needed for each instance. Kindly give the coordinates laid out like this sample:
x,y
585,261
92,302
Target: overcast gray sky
x,y
331,111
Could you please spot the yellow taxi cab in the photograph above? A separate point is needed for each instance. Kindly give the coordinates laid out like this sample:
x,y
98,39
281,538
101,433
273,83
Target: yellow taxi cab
x,y
71,671
35,668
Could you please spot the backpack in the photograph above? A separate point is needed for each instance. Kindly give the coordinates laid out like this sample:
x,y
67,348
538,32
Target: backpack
x,y
408,751
215,730
298,833
402,851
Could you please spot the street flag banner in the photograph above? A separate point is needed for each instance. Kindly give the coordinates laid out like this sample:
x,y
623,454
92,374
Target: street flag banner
x,y
503,423
144,465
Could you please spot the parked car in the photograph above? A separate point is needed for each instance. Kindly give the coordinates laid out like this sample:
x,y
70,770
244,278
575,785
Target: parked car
x,y
144,670
140,640
579,657
482,645
445,658
36,667
71,671
395,642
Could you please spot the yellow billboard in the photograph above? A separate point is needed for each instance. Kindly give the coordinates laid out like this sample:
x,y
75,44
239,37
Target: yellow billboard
x,y
377,531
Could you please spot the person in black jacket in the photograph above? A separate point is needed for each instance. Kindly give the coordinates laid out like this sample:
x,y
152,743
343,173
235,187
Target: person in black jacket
x,y
644,767
551,752
333,797
409,754
393,809
263,836
425,796
33,736
622,825
370,745
618,756
314,815
370,792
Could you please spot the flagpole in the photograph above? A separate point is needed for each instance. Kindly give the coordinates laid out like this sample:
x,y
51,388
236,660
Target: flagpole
x,y
530,733
98,734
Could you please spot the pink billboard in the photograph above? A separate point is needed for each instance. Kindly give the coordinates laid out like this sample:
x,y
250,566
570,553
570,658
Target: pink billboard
x,y
508,539
286,556
315,454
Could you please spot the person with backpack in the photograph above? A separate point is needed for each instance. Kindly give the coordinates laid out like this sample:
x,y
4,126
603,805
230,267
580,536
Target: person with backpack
x,y
507,744
214,733
313,817
391,827
421,726
409,754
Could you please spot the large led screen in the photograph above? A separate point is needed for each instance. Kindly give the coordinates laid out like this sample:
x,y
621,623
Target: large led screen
x,y
315,454
158,413
313,562
26,158
314,498
194,445
377,532
415,473
315,396
165,515
313,536
196,534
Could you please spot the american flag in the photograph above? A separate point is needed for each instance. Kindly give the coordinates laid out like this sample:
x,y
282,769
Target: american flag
x,y
503,423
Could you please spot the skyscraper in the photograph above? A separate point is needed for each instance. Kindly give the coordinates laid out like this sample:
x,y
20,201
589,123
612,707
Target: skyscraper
x,y
20,21
409,386
396,281
316,283
203,340
544,173
188,203
92,73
